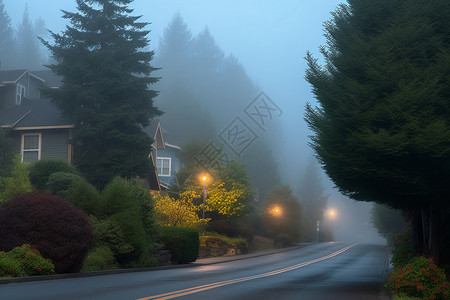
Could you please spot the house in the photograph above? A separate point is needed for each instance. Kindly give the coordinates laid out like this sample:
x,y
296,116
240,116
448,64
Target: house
x,y
165,156
38,130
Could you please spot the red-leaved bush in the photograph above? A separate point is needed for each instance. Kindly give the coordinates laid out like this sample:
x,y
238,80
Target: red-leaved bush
x,y
61,232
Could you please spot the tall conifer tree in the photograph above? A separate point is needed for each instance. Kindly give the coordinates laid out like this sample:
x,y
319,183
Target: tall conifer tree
x,y
382,130
6,39
29,51
106,76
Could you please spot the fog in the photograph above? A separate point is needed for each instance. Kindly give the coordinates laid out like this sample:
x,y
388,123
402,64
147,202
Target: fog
x,y
262,44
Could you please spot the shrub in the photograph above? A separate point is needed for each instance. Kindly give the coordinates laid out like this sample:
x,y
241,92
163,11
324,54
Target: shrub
x,y
100,258
218,245
420,278
183,243
50,224
110,235
24,261
17,183
282,240
225,227
129,206
403,248
76,189
42,169
59,182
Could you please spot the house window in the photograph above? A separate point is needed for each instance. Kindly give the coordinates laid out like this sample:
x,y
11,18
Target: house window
x,y
163,165
31,147
20,93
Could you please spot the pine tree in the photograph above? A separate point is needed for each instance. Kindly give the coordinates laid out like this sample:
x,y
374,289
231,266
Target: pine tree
x,y
30,55
106,76
382,129
6,39
312,194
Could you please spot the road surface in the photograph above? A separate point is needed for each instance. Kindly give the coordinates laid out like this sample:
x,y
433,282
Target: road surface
x,y
318,271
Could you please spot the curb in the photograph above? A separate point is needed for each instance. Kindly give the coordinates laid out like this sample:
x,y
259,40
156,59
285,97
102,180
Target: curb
x,y
198,262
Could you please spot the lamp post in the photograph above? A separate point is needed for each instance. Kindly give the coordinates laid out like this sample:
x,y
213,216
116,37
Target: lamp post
x,y
204,178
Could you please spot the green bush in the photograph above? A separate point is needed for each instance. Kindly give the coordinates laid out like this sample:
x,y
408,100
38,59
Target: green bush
x,y
17,183
403,248
100,258
183,243
76,189
41,170
420,278
110,235
128,205
59,182
24,261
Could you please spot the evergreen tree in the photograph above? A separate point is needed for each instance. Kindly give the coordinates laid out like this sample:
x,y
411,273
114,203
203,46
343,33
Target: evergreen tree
x,y
312,194
382,129
29,53
202,91
105,88
175,46
283,213
6,39
179,99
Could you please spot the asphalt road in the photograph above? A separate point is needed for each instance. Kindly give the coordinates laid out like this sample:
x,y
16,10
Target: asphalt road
x,y
317,271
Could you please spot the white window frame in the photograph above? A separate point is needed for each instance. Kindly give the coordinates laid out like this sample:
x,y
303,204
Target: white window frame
x,y
39,149
20,93
162,159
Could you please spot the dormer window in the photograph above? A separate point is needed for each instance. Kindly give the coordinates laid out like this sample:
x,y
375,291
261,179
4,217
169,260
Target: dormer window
x,y
20,92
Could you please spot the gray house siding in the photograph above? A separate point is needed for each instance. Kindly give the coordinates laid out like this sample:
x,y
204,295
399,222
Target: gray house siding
x,y
55,145
34,86
8,93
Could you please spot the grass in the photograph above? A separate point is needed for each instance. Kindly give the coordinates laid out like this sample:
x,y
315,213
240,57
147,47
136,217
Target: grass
x,y
261,243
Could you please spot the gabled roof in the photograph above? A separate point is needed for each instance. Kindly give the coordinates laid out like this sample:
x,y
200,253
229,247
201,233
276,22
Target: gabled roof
x,y
34,114
12,76
9,76
51,79
155,132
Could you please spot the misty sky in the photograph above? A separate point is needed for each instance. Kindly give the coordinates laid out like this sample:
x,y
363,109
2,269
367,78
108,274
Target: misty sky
x,y
270,38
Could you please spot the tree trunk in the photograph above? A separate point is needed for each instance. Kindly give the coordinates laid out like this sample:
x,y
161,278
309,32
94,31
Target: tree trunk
x,y
426,232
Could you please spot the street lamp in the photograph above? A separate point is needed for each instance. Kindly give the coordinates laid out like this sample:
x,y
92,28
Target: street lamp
x,y
275,211
204,178
332,215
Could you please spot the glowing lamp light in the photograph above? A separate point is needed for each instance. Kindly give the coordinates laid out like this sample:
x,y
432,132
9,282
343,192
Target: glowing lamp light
x,y
276,211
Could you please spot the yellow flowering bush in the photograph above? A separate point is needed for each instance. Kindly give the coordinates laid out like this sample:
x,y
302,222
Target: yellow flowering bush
x,y
180,213
225,200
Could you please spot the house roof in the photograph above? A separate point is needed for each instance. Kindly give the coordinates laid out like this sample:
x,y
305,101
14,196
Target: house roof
x,y
51,79
9,76
155,132
12,76
34,114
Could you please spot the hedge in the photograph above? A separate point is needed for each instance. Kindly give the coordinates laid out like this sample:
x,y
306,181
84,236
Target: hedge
x,y
182,242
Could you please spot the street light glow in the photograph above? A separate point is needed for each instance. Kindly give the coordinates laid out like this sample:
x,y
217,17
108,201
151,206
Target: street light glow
x,y
276,211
